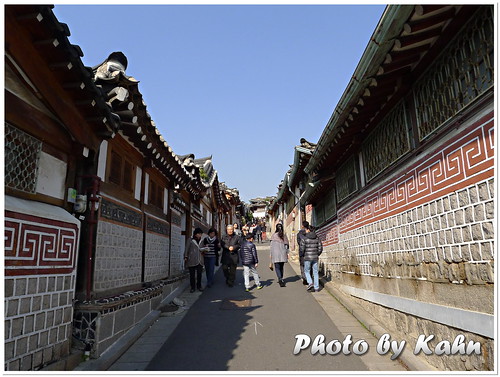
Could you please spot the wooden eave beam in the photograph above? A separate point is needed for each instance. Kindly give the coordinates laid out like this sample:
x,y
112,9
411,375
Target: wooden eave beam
x,y
415,26
20,46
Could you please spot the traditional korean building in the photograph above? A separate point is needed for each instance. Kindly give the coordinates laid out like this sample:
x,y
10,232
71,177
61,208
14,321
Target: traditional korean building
x,y
286,206
401,180
98,207
55,120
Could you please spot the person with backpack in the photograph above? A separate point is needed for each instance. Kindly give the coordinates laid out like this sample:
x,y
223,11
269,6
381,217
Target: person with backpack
x,y
310,249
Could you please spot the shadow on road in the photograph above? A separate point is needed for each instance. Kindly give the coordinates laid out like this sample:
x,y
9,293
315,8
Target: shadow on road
x,y
209,333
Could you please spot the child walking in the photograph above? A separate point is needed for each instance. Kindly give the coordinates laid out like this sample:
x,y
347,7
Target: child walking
x,y
250,261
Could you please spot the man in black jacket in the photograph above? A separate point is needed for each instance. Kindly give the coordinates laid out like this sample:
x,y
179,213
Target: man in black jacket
x,y
311,248
300,236
230,244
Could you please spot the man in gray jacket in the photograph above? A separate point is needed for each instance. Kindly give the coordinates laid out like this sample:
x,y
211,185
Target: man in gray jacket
x,y
310,249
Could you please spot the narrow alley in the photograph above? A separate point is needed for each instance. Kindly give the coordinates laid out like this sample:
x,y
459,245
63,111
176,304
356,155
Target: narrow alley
x,y
229,329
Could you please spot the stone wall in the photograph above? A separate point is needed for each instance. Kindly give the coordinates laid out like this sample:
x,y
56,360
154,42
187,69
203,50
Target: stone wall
x,y
41,249
118,256
157,257
100,323
425,232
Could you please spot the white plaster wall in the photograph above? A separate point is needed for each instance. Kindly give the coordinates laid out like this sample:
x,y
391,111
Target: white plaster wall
x,y
51,176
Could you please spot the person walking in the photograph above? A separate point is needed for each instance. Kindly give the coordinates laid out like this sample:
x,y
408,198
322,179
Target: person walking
x,y
193,259
300,236
264,232
279,252
250,261
311,248
230,244
236,230
211,245
258,233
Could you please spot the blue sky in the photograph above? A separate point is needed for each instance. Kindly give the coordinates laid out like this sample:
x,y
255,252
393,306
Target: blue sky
x,y
242,83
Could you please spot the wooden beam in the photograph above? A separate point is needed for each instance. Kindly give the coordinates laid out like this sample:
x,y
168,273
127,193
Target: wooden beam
x,y
404,42
429,22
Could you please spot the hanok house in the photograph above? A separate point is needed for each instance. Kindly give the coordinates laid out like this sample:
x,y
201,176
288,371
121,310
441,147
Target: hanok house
x,y
286,205
55,119
149,205
401,181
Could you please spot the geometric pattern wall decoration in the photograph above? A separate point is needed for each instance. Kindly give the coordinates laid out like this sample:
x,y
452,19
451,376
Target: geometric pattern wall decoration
x,y
465,159
37,245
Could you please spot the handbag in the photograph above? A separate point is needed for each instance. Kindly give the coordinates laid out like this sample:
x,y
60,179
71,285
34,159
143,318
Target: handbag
x,y
271,266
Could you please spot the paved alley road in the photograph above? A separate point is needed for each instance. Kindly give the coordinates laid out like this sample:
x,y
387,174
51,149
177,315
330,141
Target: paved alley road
x,y
213,336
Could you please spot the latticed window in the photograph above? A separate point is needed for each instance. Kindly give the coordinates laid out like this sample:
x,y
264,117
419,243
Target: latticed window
x,y
347,178
325,209
463,71
155,194
121,171
389,141
22,155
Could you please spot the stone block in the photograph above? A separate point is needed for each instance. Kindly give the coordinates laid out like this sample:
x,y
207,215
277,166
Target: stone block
x,y
475,252
469,215
32,343
479,212
42,285
12,308
20,287
491,187
54,300
466,234
53,335
124,319
463,198
60,283
51,284
68,314
486,273
39,321
49,319
483,191
473,194
22,346
46,302
457,236
17,327
460,217
477,232
43,339
25,305
488,230
14,365
8,288
37,360
63,299
47,355
9,350
29,323
36,304
487,250
58,315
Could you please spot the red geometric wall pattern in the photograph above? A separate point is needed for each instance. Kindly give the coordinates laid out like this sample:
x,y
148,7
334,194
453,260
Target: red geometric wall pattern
x,y
36,245
464,160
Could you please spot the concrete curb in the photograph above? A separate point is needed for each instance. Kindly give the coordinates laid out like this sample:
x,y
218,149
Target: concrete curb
x,y
118,348
412,362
